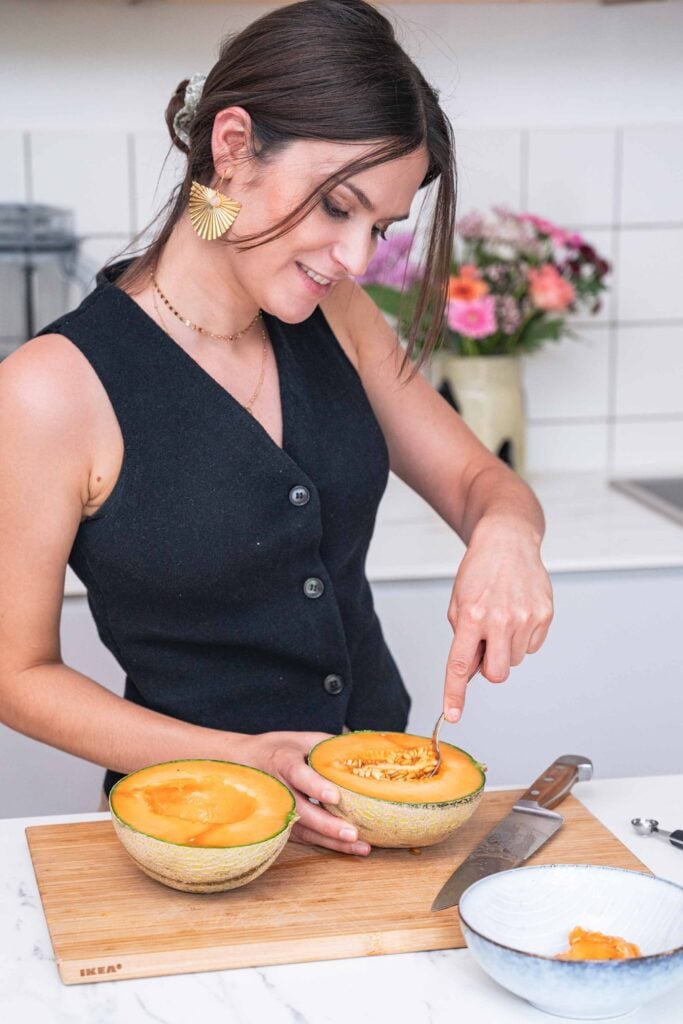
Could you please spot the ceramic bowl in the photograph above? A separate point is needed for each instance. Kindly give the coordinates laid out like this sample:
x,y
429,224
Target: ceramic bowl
x,y
515,922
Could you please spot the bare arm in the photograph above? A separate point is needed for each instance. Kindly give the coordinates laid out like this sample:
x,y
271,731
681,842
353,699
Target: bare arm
x,y
48,423
501,595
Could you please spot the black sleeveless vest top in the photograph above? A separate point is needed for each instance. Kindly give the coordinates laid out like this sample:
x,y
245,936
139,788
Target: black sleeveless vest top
x,y
226,574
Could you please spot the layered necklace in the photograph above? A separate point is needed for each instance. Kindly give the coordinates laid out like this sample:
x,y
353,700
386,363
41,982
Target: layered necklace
x,y
211,334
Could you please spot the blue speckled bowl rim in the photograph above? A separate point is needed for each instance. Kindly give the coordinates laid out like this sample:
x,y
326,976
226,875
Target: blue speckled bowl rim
x,y
569,963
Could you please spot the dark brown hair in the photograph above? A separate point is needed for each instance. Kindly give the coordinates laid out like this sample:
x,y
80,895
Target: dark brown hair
x,y
328,70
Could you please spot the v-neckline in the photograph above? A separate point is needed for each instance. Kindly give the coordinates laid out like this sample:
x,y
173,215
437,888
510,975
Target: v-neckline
x,y
273,329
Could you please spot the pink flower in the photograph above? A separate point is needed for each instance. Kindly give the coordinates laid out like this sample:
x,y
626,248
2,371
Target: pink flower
x,y
475,319
540,223
549,290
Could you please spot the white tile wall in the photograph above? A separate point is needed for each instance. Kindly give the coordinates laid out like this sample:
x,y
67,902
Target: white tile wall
x,y
568,379
652,182
489,169
12,169
647,447
158,167
571,175
566,446
611,399
650,279
87,172
650,370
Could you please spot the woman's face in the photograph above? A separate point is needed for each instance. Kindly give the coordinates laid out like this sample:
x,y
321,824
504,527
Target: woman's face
x,y
335,240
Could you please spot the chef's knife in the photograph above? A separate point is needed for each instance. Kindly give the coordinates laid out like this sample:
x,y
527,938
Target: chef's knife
x,y
524,830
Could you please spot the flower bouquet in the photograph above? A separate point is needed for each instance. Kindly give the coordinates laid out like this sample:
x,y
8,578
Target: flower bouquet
x,y
515,278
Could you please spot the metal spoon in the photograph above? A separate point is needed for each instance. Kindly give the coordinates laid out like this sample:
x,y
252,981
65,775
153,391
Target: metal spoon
x,y
650,826
439,722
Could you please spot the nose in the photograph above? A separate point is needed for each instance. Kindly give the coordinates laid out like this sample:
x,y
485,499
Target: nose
x,y
353,252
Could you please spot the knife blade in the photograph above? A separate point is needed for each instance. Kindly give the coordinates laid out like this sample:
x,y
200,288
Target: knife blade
x,y
529,825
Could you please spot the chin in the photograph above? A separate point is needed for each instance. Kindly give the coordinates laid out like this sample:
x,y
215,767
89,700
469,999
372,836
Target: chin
x,y
291,310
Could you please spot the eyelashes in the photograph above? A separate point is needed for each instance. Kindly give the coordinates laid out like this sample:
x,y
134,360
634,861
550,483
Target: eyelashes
x,y
334,211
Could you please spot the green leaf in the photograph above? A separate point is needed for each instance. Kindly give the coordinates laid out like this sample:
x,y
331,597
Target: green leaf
x,y
388,299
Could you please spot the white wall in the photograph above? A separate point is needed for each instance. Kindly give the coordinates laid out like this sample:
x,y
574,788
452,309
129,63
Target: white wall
x,y
572,111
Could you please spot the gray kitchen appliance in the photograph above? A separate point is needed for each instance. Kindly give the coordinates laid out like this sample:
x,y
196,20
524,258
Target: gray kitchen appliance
x,y
42,273
662,494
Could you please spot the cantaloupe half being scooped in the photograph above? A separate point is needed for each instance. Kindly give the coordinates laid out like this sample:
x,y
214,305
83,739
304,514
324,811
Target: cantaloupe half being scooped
x,y
386,791
201,825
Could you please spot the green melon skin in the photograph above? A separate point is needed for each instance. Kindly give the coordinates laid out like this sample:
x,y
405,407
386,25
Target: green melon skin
x,y
388,824
201,868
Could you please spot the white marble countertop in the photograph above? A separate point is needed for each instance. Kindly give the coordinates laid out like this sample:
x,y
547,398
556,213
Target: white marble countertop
x,y
410,988
590,527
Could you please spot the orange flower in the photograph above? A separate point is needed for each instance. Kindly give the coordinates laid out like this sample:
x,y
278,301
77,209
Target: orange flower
x,y
549,290
466,286
469,270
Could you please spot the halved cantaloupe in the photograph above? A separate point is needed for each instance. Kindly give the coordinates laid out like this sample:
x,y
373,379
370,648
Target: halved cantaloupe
x,y
385,790
202,825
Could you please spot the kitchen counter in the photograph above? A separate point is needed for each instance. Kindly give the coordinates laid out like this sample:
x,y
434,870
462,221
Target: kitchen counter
x,y
409,988
590,527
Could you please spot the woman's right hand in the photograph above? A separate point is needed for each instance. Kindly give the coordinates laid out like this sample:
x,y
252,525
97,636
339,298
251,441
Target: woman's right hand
x,y
283,754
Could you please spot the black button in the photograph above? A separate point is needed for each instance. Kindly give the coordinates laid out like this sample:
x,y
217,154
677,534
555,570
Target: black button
x,y
300,495
333,684
313,587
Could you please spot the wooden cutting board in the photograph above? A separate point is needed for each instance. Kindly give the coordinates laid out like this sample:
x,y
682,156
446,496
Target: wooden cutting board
x,y
108,920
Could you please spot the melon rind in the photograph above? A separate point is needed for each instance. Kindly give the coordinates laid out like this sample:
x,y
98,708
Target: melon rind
x,y
202,869
392,824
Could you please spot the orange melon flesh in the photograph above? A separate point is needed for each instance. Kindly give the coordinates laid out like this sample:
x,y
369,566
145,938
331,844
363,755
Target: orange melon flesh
x,y
203,803
385,791
458,774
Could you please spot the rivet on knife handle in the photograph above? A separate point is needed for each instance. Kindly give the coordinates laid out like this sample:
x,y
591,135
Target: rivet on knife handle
x,y
555,782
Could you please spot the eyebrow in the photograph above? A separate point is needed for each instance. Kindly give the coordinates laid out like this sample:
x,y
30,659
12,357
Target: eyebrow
x,y
364,201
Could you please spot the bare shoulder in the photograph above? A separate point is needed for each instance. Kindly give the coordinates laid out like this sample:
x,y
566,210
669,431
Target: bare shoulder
x,y
51,407
358,323
48,378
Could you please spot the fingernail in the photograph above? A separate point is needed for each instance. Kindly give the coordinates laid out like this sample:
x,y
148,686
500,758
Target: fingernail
x,y
329,796
360,848
453,715
349,835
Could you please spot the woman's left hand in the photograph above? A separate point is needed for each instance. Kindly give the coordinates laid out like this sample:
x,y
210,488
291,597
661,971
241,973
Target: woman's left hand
x,y
501,603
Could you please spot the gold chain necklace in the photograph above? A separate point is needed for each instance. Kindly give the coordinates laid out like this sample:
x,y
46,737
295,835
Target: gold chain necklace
x,y
195,327
257,389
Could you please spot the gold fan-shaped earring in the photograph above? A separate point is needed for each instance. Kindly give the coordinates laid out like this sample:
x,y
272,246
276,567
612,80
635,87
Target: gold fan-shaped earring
x,y
211,212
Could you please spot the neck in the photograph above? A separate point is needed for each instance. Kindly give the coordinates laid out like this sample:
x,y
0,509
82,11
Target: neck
x,y
198,279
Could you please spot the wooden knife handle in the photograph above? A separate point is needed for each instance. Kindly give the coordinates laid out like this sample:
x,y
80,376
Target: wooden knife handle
x,y
555,782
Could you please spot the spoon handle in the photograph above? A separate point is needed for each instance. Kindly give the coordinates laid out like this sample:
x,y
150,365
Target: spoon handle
x,y
676,838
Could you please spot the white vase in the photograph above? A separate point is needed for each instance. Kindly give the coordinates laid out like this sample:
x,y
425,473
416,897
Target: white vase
x,y
487,392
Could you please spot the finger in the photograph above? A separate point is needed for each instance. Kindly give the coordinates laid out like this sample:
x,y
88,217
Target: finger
x,y
496,667
462,660
301,834
305,779
537,638
520,645
317,819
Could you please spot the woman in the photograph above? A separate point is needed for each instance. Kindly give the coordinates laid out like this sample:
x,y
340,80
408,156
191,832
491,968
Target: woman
x,y
207,437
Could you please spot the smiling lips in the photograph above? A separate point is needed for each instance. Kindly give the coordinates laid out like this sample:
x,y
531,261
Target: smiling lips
x,y
318,278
